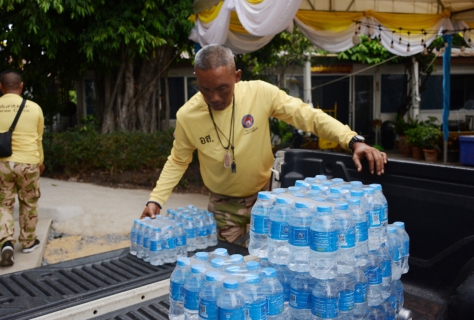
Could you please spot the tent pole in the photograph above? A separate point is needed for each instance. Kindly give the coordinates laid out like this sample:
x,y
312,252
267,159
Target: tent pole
x,y
307,81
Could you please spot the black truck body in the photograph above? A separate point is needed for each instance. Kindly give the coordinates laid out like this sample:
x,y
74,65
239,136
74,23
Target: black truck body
x,y
435,201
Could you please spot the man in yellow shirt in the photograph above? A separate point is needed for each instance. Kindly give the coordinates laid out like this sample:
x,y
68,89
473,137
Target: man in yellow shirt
x,y
19,173
227,122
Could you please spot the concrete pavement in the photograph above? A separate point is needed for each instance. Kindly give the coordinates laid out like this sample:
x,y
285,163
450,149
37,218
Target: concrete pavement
x,y
79,219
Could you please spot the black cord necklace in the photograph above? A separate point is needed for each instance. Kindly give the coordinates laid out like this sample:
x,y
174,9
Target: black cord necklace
x,y
230,144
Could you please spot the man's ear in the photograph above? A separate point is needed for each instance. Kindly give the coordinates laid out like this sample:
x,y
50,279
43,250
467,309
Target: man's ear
x,y
21,87
238,75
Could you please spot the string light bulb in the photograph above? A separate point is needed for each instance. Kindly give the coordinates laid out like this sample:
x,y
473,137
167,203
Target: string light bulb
x,y
408,47
425,50
356,38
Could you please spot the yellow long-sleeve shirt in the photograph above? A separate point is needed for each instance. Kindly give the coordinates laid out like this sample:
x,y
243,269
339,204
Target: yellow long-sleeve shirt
x,y
27,137
255,103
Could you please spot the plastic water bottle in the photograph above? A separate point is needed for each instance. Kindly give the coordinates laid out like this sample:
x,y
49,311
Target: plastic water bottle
x,y
169,240
285,276
265,263
376,312
395,248
298,237
237,260
177,280
347,282
217,264
231,303
192,287
210,292
361,231
389,310
156,247
219,253
406,244
146,242
272,289
346,238
301,290
324,244
386,260
325,299
181,245
255,301
305,186
190,234
258,245
373,272
375,224
384,211
356,184
253,267
320,178
201,236
278,248
212,230
133,237
140,234
361,306
397,296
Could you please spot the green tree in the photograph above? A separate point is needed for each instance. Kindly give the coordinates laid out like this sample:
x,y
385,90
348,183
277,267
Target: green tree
x,y
128,45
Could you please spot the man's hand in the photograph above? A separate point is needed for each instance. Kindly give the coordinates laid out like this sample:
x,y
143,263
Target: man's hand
x,y
376,159
151,210
41,168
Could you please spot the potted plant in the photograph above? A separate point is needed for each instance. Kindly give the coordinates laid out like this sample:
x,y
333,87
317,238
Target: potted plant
x,y
430,140
415,141
400,126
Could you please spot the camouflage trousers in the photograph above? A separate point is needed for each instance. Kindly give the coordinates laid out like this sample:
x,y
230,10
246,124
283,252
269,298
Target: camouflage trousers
x,y
232,214
20,179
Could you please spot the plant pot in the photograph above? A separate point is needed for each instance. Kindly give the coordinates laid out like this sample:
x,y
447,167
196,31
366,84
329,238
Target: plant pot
x,y
403,144
431,155
417,153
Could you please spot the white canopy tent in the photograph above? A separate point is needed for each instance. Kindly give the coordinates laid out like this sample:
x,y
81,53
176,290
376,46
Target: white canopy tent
x,y
403,27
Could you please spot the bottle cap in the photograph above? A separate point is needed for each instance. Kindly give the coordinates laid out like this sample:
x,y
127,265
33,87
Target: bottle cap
x,y
251,278
252,265
198,268
231,284
183,261
201,255
399,224
324,208
212,276
217,262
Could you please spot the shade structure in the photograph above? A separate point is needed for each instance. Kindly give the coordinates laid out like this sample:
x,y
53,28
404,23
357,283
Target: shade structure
x,y
403,27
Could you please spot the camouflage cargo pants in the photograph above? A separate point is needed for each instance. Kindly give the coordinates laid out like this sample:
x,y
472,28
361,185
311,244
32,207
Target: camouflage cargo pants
x,y
232,214
23,180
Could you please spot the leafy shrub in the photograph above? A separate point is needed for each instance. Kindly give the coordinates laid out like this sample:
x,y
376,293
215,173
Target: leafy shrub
x,y
76,152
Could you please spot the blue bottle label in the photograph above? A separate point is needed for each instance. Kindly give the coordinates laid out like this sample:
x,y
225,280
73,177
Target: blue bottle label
x,y
347,238
133,236
278,230
176,291
346,300
384,215
275,304
139,238
397,254
361,232
181,240
386,268
324,241
214,229
146,242
373,274
325,307
170,243
406,248
286,291
208,309
191,300
298,236
190,233
256,311
300,300
360,292
236,314
259,224
156,245
375,217
202,232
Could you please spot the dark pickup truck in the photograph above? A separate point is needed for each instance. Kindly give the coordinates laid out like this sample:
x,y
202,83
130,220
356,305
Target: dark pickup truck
x,y
436,202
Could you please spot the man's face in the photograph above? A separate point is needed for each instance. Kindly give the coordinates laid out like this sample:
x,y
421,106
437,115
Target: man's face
x,y
217,85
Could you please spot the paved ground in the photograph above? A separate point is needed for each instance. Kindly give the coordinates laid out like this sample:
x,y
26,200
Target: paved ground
x,y
80,219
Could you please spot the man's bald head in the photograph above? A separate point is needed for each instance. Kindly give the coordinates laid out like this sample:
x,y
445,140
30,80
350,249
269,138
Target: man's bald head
x,y
10,82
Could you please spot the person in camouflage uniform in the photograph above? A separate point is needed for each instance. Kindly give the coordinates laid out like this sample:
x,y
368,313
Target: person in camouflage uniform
x,y
20,172
227,122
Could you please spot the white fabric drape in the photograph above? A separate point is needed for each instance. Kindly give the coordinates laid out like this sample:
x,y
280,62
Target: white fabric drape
x,y
245,43
266,18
